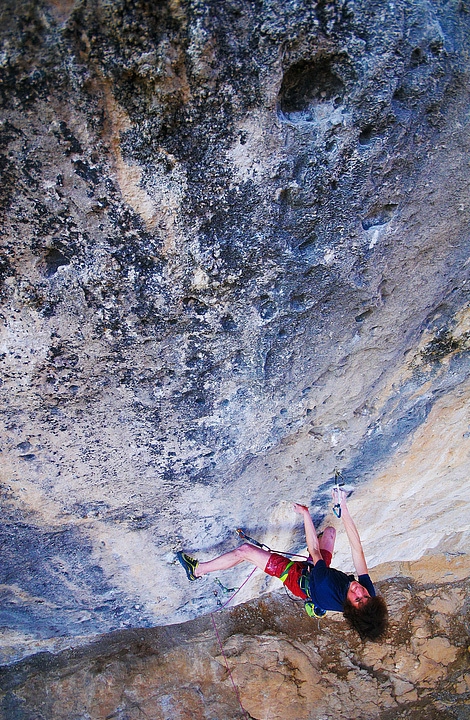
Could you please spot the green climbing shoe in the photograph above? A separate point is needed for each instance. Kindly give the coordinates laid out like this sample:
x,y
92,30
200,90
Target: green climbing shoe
x,y
189,564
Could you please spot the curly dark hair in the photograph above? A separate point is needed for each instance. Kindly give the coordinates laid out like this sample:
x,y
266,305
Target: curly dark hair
x,y
370,620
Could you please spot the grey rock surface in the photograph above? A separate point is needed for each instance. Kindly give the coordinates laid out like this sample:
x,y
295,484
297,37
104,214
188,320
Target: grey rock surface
x,y
235,241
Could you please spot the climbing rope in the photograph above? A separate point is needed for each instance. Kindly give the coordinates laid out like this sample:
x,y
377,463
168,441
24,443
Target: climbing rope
x,y
237,590
234,592
235,689
241,533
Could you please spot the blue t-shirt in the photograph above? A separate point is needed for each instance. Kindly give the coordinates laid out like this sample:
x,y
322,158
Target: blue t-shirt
x,y
329,587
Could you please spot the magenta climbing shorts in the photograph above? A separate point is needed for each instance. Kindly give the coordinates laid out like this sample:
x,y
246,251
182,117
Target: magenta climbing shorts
x,y
277,564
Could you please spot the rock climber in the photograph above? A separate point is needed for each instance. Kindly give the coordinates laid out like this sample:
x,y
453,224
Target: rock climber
x,y
320,586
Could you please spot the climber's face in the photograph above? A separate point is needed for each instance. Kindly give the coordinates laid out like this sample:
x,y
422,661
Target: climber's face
x,y
357,594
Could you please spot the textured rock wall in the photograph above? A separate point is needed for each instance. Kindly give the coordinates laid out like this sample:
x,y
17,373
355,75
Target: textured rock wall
x,y
234,256
283,665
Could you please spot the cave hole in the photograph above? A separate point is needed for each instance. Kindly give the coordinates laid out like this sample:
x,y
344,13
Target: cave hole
x,y
417,57
309,84
367,135
54,259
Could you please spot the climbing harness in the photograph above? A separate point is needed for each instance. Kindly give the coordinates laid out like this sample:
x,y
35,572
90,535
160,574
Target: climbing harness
x,y
337,487
311,609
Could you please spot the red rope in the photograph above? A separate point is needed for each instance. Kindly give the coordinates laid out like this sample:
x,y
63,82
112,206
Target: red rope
x,y
238,589
235,689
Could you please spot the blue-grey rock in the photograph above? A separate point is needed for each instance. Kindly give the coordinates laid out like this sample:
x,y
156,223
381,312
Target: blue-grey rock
x,y
234,256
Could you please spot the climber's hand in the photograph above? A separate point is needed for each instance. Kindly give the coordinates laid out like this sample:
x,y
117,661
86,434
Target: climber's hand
x,y
339,496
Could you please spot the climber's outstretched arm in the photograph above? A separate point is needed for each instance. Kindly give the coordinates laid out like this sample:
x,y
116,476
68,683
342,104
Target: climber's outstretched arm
x,y
353,536
310,532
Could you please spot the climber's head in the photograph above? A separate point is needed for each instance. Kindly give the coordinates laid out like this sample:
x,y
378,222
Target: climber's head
x,y
368,615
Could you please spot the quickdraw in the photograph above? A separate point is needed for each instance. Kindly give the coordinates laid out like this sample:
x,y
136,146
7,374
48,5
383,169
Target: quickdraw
x,y
242,534
337,487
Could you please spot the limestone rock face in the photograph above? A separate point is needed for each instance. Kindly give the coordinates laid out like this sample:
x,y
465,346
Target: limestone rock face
x,y
265,660
235,241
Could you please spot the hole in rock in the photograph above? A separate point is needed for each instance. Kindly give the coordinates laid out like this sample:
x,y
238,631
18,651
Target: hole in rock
x,y
309,84
24,446
436,46
307,245
380,216
195,305
266,307
368,135
417,57
228,323
360,318
54,259
298,302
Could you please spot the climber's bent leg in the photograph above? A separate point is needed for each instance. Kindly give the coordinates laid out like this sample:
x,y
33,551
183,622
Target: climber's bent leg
x,y
327,544
252,554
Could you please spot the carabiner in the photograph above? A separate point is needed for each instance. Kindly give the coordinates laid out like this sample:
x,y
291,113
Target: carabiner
x,y
242,534
338,485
